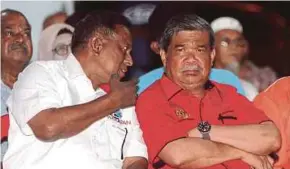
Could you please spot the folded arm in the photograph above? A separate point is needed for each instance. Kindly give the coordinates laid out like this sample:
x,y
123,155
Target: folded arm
x,y
261,139
197,153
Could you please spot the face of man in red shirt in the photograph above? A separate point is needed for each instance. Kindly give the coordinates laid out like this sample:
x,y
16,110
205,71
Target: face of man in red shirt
x,y
188,59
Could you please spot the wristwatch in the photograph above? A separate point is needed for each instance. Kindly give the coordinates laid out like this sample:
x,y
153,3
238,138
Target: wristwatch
x,y
204,128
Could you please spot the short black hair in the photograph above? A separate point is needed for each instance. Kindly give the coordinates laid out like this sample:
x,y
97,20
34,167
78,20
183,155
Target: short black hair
x,y
74,18
103,22
184,22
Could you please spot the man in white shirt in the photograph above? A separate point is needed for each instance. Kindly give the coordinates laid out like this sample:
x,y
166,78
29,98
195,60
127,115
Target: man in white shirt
x,y
63,113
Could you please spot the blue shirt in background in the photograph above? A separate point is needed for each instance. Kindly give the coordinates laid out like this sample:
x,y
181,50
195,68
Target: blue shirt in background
x,y
218,75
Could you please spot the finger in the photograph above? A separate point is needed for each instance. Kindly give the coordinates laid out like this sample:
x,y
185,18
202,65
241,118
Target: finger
x,y
135,80
115,76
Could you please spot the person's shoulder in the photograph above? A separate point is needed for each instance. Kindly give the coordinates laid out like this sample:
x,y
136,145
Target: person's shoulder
x,y
151,95
283,82
39,71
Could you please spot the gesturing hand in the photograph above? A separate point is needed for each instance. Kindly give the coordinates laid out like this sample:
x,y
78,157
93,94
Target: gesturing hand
x,y
123,94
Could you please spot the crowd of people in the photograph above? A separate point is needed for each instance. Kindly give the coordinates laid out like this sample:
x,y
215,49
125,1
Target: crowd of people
x,y
204,108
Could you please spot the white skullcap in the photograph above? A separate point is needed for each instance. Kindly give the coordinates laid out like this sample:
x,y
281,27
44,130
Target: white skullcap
x,y
139,14
226,23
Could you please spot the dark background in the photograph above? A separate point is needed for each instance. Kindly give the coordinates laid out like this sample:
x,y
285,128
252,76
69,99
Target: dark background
x,y
266,25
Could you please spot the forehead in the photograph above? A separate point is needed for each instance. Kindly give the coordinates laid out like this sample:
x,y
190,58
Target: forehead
x,y
196,36
14,20
124,34
228,33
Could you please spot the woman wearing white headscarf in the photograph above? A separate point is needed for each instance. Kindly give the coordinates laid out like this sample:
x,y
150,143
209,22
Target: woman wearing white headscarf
x,y
54,42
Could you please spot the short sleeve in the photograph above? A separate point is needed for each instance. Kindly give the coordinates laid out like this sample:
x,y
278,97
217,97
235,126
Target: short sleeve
x,y
157,133
34,91
135,145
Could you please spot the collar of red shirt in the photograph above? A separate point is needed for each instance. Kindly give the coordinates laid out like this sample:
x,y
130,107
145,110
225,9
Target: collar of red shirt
x,y
170,88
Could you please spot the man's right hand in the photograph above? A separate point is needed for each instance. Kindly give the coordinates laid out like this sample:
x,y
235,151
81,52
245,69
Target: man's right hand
x,y
123,94
257,162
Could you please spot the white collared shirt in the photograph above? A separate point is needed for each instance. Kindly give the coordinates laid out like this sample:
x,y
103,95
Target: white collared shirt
x,y
55,84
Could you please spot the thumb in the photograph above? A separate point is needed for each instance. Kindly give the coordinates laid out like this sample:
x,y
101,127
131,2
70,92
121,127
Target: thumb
x,y
115,77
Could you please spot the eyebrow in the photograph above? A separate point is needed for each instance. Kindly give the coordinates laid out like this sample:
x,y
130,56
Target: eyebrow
x,y
202,45
179,45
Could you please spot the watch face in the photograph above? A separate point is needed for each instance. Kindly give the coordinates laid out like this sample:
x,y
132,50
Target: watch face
x,y
204,127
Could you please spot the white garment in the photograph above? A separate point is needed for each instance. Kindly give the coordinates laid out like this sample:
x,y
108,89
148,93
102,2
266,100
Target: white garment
x,y
55,84
250,90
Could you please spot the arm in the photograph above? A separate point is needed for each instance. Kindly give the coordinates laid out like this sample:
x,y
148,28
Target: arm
x,y
135,163
38,109
55,123
202,153
265,135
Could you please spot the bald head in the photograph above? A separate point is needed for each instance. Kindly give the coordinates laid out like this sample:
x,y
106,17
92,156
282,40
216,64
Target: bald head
x,y
58,17
16,46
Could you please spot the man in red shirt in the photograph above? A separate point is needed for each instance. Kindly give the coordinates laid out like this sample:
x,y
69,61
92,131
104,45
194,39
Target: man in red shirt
x,y
191,122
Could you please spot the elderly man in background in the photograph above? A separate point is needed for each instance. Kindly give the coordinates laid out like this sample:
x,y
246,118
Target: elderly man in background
x,y
54,42
16,51
191,122
231,49
76,113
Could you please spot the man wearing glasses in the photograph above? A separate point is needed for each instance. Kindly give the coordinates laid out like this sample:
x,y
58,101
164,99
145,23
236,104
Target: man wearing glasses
x,y
231,49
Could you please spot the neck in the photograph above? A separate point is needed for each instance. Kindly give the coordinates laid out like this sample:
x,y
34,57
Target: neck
x,y
93,77
197,91
9,73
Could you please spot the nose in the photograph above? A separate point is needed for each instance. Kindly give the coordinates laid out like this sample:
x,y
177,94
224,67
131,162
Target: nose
x,y
191,57
19,38
128,60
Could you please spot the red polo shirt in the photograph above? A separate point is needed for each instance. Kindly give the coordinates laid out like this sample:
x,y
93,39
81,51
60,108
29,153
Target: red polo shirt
x,y
166,113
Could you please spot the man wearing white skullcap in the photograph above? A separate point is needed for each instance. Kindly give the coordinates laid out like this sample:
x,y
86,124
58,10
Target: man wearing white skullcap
x,y
231,49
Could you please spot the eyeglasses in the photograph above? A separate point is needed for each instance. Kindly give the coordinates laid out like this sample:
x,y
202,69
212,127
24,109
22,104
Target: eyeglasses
x,y
226,42
62,49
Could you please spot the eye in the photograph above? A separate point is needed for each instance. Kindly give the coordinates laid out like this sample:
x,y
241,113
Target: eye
x,y
179,49
27,32
201,49
8,33
224,44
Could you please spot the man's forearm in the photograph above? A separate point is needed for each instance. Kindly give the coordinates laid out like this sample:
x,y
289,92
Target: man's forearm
x,y
197,153
68,121
261,139
135,163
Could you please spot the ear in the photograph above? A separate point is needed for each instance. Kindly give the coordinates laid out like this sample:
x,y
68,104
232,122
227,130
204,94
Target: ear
x,y
163,56
96,44
155,47
212,57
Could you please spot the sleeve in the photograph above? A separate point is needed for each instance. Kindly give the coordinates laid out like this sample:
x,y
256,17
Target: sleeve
x,y
34,91
135,145
246,110
157,132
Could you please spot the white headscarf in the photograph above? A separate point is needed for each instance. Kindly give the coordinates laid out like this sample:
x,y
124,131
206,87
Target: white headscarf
x,y
49,40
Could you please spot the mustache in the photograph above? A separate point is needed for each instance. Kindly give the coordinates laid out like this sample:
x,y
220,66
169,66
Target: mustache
x,y
193,67
15,46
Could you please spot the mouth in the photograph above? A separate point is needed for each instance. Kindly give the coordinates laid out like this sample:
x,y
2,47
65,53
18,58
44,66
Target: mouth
x,y
191,72
122,71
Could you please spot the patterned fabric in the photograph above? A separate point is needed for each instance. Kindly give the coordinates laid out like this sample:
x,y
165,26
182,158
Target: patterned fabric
x,y
260,77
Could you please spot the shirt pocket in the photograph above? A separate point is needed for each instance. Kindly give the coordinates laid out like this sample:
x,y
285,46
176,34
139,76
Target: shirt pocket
x,y
228,117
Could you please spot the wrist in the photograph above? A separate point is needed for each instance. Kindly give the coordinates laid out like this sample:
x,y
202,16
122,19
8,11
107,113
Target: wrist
x,y
114,100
